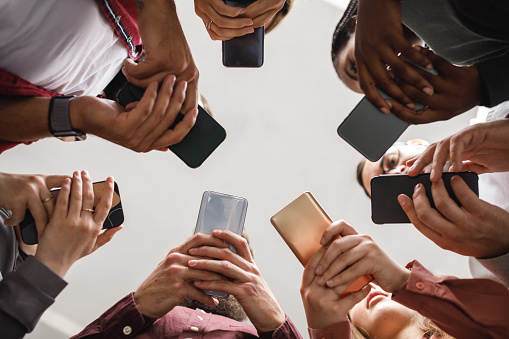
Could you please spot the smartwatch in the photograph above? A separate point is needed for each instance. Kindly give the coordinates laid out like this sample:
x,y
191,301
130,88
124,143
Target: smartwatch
x,y
59,119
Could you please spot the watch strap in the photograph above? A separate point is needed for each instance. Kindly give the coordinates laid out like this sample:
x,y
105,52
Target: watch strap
x,y
59,120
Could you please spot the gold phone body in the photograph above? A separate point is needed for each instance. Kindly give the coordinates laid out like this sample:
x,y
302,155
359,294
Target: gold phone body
x,y
301,225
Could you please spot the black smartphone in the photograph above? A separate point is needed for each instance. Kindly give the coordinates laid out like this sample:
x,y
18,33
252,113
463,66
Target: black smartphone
x,y
385,189
247,50
371,131
115,215
205,136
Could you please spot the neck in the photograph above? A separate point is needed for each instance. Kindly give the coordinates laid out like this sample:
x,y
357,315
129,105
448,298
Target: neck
x,y
411,331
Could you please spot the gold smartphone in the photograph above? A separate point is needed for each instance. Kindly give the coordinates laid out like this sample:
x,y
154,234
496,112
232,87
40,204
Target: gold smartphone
x,y
301,225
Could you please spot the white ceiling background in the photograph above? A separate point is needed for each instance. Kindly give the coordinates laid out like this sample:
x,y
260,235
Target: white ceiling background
x,y
281,122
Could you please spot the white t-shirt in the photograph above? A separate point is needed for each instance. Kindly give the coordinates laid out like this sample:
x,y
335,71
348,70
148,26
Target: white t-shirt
x,y
65,46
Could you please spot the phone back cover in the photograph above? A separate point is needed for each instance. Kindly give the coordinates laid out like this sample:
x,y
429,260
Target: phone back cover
x,y
301,224
205,136
385,189
370,131
221,211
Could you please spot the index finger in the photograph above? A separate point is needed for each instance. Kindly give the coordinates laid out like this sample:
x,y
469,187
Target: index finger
x,y
239,242
423,160
337,228
103,207
261,6
200,239
191,99
309,271
222,8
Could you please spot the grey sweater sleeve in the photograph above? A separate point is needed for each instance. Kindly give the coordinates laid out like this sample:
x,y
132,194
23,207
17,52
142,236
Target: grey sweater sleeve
x,y
499,266
495,77
24,295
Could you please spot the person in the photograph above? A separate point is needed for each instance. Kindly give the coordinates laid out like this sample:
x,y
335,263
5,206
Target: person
x,y
206,261
452,307
470,40
224,22
82,59
451,227
32,276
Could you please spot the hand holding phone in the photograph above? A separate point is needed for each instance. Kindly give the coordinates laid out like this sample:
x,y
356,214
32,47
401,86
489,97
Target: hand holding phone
x,y
301,225
115,217
385,190
224,212
205,136
247,50
372,132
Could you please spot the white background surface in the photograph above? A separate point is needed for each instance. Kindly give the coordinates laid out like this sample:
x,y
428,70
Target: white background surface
x,y
281,122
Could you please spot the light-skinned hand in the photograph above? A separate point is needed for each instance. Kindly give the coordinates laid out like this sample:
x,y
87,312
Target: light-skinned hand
x,y
246,283
476,229
354,255
481,148
73,232
169,284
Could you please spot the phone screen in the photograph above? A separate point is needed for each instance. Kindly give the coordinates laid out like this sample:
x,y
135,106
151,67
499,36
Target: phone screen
x,y
385,189
301,225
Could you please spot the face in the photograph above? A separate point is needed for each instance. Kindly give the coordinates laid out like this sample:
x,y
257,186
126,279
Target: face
x,y
393,161
347,67
380,316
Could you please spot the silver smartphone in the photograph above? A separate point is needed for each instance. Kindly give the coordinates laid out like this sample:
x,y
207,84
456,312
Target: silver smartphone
x,y
224,212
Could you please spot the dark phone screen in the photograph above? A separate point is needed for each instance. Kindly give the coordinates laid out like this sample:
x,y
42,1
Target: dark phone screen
x,y
247,50
385,189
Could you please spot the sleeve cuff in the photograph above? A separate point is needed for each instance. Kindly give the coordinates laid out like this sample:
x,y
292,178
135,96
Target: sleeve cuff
x,y
498,266
285,331
336,331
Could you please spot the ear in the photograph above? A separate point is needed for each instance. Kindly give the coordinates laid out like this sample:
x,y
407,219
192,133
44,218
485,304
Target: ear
x,y
350,25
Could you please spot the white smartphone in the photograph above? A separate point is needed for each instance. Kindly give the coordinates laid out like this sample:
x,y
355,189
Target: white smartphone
x,y
224,212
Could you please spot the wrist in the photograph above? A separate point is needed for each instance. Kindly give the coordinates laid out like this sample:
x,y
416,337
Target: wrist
x,y
272,322
57,266
401,279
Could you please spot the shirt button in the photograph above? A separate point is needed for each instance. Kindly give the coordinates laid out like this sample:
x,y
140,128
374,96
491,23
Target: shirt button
x,y
194,328
419,285
200,318
128,330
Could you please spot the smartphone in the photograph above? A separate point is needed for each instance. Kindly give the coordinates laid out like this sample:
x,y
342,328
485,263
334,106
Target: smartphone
x,y
205,136
301,225
224,212
372,132
385,189
247,50
115,216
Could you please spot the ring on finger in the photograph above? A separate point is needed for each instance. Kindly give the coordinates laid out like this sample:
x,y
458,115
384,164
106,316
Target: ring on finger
x,y
88,209
208,25
47,199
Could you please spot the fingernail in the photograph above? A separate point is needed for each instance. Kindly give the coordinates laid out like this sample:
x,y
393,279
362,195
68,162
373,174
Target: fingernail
x,y
84,172
389,104
411,105
385,110
319,270
330,282
402,200
429,66
321,281
322,241
242,11
417,47
191,262
7,222
192,250
76,174
417,188
249,23
432,173
428,90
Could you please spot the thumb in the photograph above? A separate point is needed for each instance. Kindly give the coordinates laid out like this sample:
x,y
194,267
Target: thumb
x,y
55,180
106,236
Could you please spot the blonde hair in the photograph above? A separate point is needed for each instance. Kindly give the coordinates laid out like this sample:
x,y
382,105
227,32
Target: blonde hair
x,y
279,16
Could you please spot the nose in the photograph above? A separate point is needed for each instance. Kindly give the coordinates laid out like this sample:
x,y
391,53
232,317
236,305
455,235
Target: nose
x,y
400,169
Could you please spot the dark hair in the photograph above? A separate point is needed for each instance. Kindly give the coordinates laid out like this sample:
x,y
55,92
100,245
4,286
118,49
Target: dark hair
x,y
279,16
341,33
360,167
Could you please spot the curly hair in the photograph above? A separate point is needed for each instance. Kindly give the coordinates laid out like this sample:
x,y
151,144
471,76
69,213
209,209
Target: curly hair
x,y
341,34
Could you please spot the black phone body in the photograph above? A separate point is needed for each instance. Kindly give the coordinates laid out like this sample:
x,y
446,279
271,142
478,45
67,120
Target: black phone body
x,y
371,131
385,189
205,136
247,50
115,216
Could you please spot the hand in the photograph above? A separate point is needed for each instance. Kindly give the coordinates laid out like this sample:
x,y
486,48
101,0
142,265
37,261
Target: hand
x,y
457,89
20,192
222,21
166,51
322,304
246,283
169,284
481,148
73,232
142,126
378,40
354,255
476,229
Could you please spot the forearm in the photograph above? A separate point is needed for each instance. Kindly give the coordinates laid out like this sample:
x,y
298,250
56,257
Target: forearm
x,y
24,295
24,118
